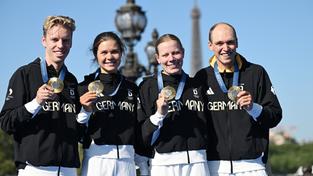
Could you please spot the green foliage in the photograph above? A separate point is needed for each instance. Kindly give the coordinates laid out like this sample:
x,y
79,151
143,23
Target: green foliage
x,y
81,152
6,155
288,157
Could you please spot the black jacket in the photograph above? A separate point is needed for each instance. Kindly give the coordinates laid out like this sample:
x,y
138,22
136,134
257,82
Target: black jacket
x,y
51,137
234,134
184,127
114,120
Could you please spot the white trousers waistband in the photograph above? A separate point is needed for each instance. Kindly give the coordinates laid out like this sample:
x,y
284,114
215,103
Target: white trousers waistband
x,y
30,170
182,157
110,151
223,166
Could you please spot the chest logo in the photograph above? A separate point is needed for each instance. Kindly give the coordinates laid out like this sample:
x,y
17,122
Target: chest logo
x,y
9,96
210,91
130,94
195,93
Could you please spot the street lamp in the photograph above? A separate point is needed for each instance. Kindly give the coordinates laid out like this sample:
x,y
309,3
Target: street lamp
x,y
131,21
150,51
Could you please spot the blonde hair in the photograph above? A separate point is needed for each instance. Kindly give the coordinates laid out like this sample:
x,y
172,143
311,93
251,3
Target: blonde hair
x,y
167,37
51,21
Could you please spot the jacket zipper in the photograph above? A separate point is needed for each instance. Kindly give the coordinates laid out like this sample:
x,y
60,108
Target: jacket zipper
x,y
117,152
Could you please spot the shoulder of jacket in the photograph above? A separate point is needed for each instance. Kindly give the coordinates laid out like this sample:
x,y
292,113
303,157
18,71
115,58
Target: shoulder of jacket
x,y
90,77
147,77
87,79
130,84
29,67
147,80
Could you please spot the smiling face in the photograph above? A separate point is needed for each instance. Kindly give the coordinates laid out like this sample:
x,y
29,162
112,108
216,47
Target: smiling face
x,y
223,43
109,56
57,42
170,56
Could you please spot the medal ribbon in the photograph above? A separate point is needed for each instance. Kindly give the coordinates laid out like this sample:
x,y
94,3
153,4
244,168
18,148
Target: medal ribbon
x,y
44,73
181,84
116,89
179,92
220,79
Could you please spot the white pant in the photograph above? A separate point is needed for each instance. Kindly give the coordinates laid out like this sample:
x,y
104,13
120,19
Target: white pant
x,y
30,170
253,167
96,166
247,173
194,169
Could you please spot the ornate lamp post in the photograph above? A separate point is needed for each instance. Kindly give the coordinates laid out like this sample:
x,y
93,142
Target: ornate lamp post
x,y
150,51
131,21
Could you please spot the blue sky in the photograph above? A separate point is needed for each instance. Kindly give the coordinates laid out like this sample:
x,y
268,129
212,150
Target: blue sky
x,y
276,34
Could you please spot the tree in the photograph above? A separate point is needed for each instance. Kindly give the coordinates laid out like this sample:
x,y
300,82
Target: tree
x,y
287,158
6,155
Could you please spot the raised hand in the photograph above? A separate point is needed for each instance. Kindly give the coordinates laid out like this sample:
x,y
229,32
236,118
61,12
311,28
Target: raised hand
x,y
44,93
87,99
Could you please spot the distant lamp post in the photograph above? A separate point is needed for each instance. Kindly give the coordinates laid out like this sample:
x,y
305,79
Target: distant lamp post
x,y
131,21
150,51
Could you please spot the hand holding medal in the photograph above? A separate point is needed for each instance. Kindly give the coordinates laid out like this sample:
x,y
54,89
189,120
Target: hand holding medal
x,y
168,93
245,100
52,86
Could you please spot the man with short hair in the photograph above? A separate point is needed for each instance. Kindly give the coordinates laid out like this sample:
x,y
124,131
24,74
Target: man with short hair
x,y
243,107
41,106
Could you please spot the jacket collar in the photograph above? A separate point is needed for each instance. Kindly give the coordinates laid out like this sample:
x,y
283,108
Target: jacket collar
x,y
213,59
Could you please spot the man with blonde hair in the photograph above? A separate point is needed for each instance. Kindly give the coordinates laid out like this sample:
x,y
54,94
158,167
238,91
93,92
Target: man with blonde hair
x,y
41,106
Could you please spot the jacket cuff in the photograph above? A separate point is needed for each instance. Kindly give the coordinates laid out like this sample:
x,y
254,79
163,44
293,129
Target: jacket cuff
x,y
33,107
157,119
83,116
255,111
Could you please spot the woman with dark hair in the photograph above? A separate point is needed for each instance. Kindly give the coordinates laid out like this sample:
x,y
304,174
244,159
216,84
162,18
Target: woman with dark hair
x,y
109,110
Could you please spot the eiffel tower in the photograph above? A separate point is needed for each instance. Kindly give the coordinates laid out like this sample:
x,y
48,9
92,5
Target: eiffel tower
x,y
196,56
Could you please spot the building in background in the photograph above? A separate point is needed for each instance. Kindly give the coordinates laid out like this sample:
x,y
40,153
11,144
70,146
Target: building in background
x,y
196,56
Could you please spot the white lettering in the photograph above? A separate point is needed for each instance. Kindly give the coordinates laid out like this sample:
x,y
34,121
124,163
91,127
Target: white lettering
x,y
174,106
222,105
69,108
105,105
194,105
110,105
126,106
56,106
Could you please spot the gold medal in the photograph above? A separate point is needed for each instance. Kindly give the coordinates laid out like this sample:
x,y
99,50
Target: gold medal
x,y
168,92
233,92
57,84
96,86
